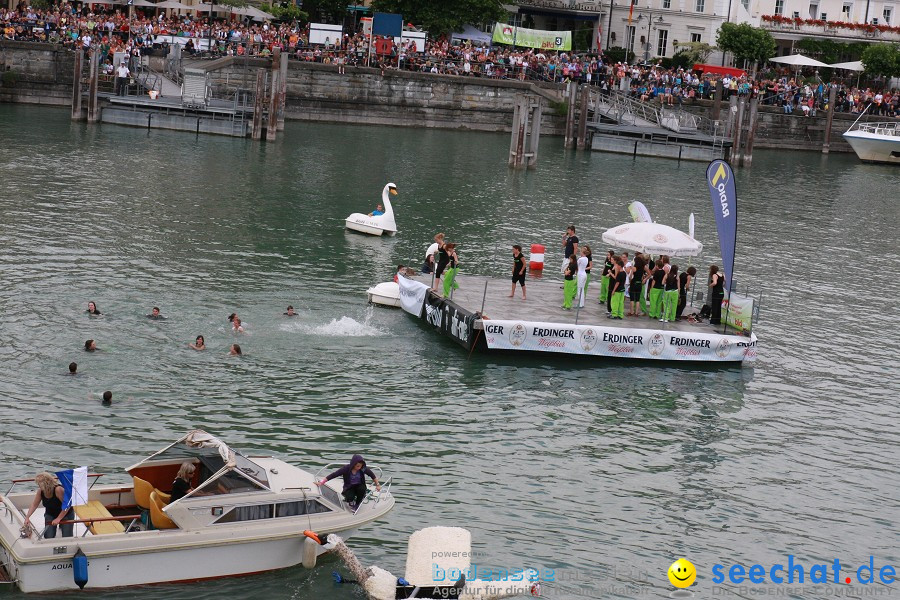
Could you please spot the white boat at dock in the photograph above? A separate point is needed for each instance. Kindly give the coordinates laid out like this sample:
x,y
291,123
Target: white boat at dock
x,y
875,142
385,294
247,514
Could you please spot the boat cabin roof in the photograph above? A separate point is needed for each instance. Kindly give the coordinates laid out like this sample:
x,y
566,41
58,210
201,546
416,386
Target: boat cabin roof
x,y
219,464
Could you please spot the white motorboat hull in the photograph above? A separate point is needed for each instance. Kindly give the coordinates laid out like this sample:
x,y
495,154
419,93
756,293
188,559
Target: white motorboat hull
x,y
385,294
874,147
366,224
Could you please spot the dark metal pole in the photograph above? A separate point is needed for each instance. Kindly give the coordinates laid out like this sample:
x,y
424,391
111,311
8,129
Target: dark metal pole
x,y
609,26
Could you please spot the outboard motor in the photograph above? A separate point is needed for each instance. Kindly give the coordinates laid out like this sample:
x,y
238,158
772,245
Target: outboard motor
x,y
80,569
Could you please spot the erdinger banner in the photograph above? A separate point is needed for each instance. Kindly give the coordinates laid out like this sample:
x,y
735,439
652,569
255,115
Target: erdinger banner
x,y
452,320
720,179
412,295
623,342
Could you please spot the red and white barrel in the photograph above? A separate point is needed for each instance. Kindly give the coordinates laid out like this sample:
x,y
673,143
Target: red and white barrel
x,y
537,257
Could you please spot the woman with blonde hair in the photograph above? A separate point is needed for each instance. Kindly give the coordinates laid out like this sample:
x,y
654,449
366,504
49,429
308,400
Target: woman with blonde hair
x,y
181,487
51,495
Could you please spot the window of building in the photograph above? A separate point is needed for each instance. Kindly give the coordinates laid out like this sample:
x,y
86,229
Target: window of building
x,y
629,37
667,4
887,14
746,5
663,42
813,10
700,6
824,16
846,10
695,38
779,7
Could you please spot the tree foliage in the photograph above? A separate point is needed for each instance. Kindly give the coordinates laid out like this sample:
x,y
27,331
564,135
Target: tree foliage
x,y
286,11
882,60
443,16
830,51
326,11
746,42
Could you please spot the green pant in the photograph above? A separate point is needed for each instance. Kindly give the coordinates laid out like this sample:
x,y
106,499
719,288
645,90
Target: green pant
x,y
656,298
604,289
671,304
644,299
569,289
450,280
617,303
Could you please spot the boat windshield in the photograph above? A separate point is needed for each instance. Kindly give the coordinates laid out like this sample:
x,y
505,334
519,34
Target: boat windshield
x,y
211,459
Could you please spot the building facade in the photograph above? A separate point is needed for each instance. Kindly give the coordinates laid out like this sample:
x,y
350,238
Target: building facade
x,y
654,30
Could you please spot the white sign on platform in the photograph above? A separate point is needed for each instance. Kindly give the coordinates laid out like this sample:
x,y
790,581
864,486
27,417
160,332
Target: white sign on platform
x,y
592,340
412,295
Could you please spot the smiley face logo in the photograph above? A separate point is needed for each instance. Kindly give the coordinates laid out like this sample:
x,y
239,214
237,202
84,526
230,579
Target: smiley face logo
x,y
682,573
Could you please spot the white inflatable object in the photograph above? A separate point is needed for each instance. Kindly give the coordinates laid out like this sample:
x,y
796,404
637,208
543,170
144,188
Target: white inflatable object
x,y
380,224
385,294
380,585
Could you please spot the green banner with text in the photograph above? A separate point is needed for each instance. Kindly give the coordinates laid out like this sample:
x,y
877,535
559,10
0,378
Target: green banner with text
x,y
532,38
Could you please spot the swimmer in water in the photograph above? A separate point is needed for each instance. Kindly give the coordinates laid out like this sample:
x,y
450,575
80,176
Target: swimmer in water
x,y
73,368
290,312
154,314
236,325
199,343
107,398
235,350
90,346
92,309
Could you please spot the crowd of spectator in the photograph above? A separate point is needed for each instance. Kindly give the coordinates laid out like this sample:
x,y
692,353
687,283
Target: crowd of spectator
x,y
111,30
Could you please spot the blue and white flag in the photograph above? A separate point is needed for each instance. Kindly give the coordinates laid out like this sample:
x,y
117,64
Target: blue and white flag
x,y
720,179
74,482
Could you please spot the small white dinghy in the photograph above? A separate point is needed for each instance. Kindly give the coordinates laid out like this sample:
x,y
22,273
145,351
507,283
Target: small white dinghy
x,y
378,224
385,294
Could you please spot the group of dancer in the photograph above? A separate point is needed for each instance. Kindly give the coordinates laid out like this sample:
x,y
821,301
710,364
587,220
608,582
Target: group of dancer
x,y
442,260
655,288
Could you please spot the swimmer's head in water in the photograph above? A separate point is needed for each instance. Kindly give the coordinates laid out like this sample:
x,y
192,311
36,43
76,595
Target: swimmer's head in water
x,y
107,397
235,350
90,345
73,367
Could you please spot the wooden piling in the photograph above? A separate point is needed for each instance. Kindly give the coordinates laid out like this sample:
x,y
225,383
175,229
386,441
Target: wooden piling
x,y
258,104
516,131
282,90
76,85
717,100
751,133
93,111
583,117
570,117
272,113
535,137
738,130
832,98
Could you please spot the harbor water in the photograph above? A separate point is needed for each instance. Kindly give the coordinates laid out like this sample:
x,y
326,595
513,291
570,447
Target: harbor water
x,y
597,474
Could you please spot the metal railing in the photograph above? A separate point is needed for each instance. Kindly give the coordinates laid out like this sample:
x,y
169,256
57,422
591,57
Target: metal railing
x,y
882,128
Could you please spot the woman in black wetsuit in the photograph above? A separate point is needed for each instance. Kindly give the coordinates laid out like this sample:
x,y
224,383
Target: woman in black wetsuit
x,y
443,258
716,295
51,495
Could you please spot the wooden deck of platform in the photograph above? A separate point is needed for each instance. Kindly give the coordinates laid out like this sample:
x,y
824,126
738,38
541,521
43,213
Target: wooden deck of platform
x,y
544,304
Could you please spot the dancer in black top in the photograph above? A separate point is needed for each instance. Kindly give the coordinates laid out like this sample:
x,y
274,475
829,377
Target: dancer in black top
x,y
684,282
518,271
716,295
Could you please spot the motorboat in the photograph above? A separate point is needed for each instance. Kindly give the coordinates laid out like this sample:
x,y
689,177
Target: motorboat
x,y
875,142
378,224
385,294
246,514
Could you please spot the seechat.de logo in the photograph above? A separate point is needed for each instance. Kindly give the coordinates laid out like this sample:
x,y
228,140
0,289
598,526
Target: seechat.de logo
x,y
682,573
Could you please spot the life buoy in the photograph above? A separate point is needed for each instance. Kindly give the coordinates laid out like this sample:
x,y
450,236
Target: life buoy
x,y
313,536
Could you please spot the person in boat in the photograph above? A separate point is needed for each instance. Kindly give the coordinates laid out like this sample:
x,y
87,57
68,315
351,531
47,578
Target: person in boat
x,y
354,474
199,343
400,270
379,210
181,487
290,312
51,495
92,309
90,346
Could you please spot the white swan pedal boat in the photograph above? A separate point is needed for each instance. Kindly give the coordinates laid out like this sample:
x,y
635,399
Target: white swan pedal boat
x,y
246,515
378,224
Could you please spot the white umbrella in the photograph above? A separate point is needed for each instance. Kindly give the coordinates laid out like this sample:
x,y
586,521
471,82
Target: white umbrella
x,y
652,238
798,60
204,7
175,5
252,12
855,65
